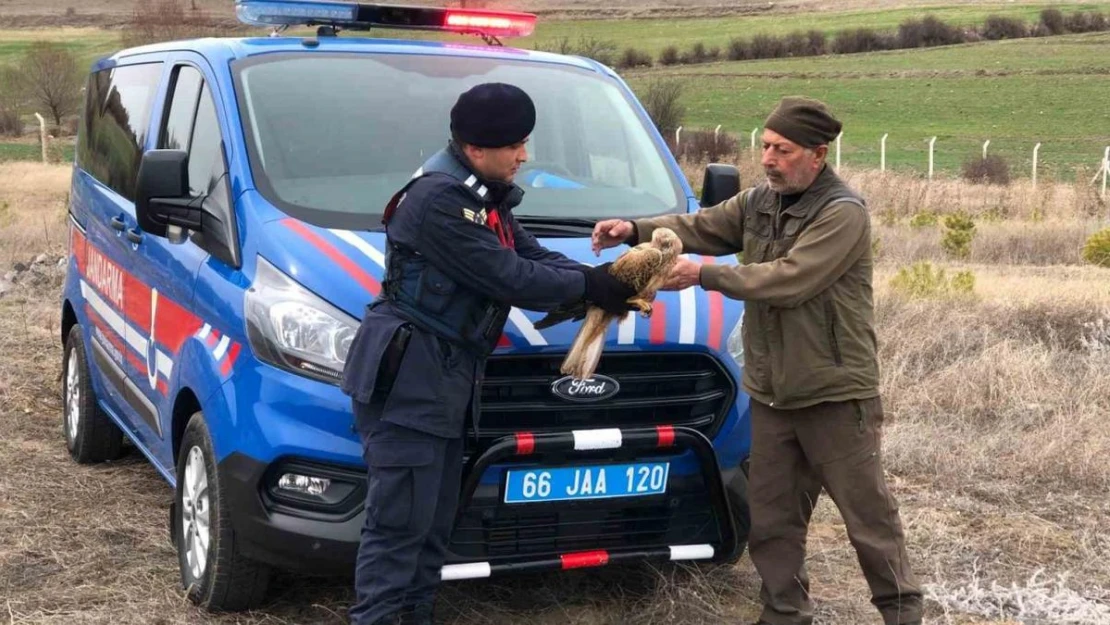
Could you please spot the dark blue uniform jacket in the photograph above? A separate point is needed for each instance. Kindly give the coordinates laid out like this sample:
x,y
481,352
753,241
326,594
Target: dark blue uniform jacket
x,y
489,253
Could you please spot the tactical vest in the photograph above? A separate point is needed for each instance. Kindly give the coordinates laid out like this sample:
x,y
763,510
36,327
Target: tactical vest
x,y
426,296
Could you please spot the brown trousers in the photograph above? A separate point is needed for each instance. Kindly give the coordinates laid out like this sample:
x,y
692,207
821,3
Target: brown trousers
x,y
795,453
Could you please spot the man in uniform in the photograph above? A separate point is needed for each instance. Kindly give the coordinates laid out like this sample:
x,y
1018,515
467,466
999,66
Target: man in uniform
x,y
457,261
810,363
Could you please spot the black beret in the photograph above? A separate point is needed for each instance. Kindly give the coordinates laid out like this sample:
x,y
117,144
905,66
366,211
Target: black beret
x,y
804,121
493,115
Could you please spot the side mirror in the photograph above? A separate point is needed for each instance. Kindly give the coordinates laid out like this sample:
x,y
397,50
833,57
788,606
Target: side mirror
x,y
721,183
162,193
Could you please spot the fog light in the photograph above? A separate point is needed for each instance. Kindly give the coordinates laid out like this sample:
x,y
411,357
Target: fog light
x,y
304,484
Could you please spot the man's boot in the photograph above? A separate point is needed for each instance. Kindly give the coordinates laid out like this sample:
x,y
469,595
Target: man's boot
x,y
420,614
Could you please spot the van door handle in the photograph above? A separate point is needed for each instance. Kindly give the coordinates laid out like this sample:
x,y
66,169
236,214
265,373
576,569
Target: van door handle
x,y
118,224
134,236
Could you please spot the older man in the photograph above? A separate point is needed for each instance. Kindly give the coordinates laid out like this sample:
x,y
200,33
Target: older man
x,y
810,363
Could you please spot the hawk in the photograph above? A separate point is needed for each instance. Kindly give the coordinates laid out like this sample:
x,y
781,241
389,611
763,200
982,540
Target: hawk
x,y
645,268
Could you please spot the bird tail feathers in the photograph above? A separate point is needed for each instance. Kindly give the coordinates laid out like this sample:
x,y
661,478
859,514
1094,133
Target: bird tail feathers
x,y
585,351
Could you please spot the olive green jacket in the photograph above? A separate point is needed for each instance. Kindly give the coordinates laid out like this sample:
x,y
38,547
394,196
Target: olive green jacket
x,y
806,278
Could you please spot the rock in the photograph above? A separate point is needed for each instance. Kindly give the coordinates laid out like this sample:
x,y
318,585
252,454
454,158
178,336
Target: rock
x,y
5,286
41,258
19,267
11,276
62,263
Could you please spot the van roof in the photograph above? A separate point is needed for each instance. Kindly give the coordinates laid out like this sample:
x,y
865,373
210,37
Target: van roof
x,y
231,49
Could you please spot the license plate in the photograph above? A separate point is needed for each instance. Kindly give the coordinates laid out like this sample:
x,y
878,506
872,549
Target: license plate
x,y
582,483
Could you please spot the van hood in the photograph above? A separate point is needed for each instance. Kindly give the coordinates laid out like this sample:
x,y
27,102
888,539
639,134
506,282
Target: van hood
x,y
346,267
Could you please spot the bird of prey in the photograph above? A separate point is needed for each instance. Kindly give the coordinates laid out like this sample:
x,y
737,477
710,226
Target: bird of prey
x,y
645,268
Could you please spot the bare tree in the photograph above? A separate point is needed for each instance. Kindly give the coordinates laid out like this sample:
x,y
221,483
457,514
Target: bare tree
x,y
50,77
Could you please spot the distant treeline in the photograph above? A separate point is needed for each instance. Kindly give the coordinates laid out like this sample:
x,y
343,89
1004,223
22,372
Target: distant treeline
x,y
912,33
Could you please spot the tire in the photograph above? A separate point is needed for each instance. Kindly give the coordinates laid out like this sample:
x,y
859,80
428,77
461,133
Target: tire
x,y
215,575
737,489
91,435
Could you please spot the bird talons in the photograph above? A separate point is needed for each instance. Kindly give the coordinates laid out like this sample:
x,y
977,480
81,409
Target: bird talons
x,y
643,305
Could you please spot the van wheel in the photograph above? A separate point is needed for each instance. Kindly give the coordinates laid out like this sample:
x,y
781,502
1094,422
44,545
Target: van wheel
x,y
737,489
91,435
213,572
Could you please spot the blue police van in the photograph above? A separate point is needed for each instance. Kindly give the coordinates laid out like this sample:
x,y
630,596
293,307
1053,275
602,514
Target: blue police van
x,y
225,239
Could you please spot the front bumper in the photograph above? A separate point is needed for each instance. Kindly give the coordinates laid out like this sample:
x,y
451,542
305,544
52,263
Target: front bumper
x,y
491,537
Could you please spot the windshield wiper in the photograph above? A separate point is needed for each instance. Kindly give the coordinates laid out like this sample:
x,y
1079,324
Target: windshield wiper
x,y
558,226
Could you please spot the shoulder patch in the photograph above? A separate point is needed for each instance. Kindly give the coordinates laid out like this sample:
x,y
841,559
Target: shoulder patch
x,y
479,217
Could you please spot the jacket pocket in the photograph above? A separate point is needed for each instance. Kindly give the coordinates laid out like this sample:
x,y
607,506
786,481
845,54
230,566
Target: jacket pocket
x,y
391,487
831,322
435,290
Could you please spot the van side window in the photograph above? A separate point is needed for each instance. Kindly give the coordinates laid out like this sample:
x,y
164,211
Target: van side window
x,y
191,124
115,122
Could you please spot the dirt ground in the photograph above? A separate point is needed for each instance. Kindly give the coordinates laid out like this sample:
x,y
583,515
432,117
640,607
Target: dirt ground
x,y
996,449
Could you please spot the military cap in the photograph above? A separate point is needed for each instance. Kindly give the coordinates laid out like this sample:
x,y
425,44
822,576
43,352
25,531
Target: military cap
x,y
493,115
804,121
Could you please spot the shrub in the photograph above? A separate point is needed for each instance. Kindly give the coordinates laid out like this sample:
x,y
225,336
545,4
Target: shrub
x,y
669,56
998,27
1085,22
862,40
767,47
702,145
817,42
1053,21
662,101
699,54
739,50
631,57
928,32
924,219
958,234
923,280
153,21
1097,249
11,124
795,44
990,170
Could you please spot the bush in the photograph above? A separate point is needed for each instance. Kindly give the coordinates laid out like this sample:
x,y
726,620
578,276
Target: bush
x,y
669,56
991,170
662,101
959,232
1097,249
924,219
1085,22
701,145
631,57
153,21
998,27
816,42
795,44
862,40
923,280
11,124
699,54
739,50
767,47
928,32
1053,21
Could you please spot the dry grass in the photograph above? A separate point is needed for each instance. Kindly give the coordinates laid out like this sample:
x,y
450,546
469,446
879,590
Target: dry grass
x,y
996,450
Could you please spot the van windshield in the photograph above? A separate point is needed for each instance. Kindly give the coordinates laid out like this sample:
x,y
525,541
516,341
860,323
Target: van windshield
x,y
332,137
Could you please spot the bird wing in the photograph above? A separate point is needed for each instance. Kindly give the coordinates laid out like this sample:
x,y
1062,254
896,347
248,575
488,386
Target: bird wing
x,y
575,312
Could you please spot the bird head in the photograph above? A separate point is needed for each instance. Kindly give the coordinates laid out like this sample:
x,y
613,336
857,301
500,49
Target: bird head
x,y
666,240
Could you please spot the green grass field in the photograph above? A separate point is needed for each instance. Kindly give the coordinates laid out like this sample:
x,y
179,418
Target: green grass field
x,y
1031,90
1015,93
29,152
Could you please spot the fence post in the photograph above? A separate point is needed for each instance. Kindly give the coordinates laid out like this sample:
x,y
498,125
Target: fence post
x,y
882,152
1036,148
42,135
716,133
753,141
1105,170
838,150
931,143
985,144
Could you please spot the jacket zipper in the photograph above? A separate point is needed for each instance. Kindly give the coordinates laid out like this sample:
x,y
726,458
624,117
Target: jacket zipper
x,y
830,317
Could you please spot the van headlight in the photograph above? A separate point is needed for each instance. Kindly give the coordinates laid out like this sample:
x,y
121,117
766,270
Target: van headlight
x,y
735,343
293,328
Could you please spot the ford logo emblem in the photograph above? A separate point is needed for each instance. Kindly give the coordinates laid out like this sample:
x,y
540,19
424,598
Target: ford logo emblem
x,y
596,388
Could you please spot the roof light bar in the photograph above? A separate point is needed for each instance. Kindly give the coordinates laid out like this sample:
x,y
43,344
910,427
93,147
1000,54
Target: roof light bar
x,y
358,16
